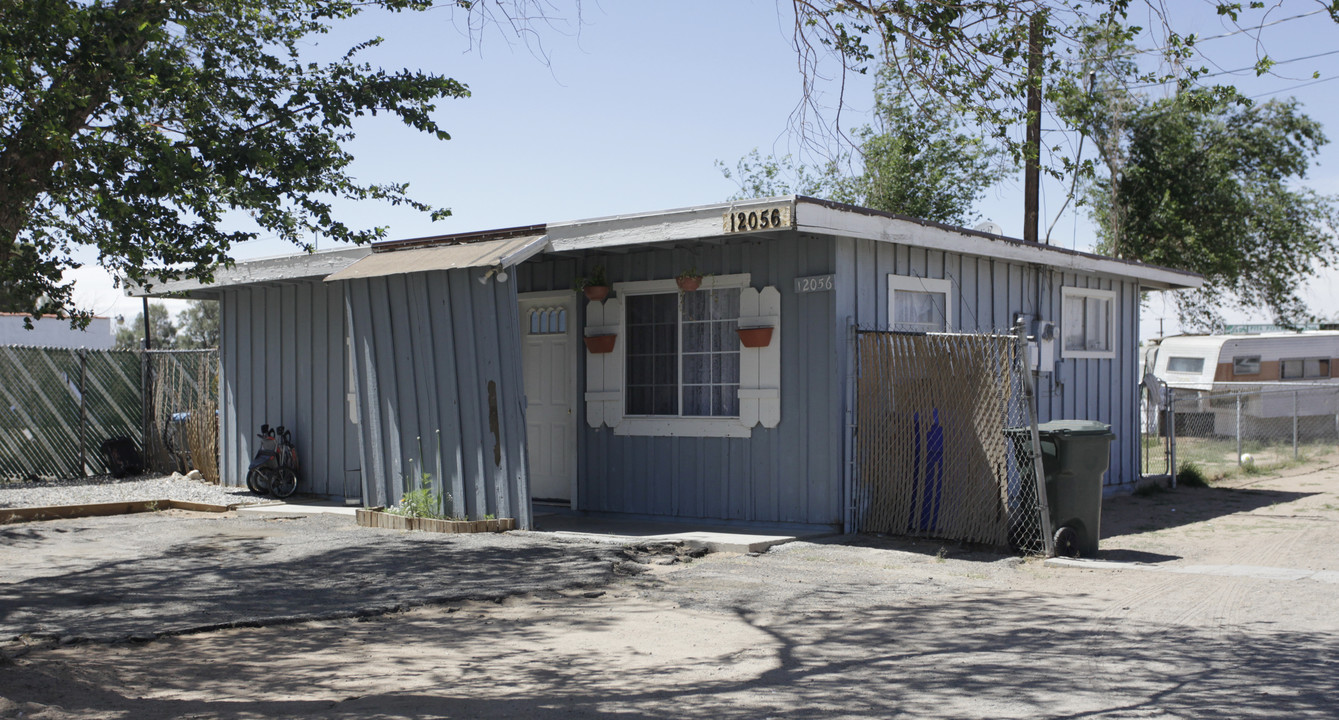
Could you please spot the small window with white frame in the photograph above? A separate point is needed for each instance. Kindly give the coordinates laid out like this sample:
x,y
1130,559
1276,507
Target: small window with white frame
x,y
920,304
1087,323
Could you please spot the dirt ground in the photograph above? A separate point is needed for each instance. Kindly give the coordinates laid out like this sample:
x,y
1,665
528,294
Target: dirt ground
x,y
1207,603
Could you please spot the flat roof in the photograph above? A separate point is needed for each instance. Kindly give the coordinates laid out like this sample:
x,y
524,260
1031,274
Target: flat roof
x,y
700,223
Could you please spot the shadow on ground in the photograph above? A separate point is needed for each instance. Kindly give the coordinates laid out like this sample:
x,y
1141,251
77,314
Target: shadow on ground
x,y
183,575
1165,509
957,656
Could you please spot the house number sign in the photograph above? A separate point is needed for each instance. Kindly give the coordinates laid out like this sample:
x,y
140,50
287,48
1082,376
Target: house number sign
x,y
815,283
756,219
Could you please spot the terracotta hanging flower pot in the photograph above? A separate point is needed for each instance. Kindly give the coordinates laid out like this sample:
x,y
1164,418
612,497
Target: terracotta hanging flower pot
x,y
596,292
755,337
688,284
600,344
689,280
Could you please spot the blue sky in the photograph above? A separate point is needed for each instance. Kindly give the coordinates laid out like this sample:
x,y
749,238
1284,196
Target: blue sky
x,y
634,106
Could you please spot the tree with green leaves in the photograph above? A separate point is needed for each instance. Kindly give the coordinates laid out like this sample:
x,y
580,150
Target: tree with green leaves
x,y
199,325
195,328
1200,184
974,54
134,126
917,159
163,330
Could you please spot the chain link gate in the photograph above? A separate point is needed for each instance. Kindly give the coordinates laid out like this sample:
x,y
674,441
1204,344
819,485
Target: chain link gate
x,y
935,453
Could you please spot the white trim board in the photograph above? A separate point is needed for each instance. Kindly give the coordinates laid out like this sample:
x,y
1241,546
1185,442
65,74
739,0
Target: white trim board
x,y
824,220
1109,296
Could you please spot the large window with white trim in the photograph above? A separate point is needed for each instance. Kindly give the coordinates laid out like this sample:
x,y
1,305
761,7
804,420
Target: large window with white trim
x,y
682,357
920,304
1087,324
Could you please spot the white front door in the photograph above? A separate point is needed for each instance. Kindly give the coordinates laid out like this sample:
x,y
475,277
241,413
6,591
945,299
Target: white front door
x,y
548,359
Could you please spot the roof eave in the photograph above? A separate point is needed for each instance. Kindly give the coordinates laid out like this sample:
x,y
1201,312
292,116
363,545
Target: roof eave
x,y
284,268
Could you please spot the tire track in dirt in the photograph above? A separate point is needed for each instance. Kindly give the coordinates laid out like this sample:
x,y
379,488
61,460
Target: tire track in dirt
x,y
1104,636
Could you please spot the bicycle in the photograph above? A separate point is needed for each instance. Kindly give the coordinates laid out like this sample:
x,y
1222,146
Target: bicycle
x,y
273,471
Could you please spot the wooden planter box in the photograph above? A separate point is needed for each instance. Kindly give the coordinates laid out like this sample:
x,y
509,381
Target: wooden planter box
x,y
378,518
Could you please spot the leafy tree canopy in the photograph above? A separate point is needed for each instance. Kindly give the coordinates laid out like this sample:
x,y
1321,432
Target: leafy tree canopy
x,y
162,330
1213,188
197,327
974,53
133,126
918,159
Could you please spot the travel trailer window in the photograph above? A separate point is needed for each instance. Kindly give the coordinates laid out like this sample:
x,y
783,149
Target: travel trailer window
x,y
1246,365
920,304
1087,322
1185,364
683,354
1303,368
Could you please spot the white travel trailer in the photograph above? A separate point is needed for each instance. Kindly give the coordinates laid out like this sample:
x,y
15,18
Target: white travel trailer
x,y
1251,381
1207,362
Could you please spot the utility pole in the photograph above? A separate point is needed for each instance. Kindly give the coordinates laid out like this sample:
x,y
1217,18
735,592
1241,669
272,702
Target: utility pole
x,y
146,389
1032,142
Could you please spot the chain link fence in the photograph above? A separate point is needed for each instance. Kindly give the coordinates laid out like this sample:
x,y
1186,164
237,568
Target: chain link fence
x,y
183,411
944,440
58,407
1239,428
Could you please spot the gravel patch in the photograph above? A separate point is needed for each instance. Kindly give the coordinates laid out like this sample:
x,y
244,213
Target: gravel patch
x,y
106,489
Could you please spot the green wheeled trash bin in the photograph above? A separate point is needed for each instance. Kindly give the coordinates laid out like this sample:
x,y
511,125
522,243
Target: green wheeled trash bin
x,y
1075,455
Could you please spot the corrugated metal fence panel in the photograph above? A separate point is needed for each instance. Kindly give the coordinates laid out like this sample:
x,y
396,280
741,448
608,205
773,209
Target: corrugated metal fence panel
x,y
437,364
284,363
788,474
989,293
40,394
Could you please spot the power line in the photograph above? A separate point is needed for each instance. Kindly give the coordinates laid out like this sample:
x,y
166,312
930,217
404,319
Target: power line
x,y
1261,26
1296,87
1241,69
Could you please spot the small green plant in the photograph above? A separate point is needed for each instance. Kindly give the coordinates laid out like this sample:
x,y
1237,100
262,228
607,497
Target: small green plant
x,y
941,554
1190,474
490,516
420,503
691,273
597,279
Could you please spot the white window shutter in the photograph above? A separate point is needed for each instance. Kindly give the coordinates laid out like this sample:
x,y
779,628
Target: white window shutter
x,y
760,368
613,364
604,371
594,367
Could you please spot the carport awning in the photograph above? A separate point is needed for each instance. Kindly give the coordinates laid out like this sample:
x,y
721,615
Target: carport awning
x,y
487,253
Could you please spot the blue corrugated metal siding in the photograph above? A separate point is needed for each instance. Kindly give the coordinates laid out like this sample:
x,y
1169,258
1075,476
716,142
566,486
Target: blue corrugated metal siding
x,y
989,292
427,347
791,473
283,363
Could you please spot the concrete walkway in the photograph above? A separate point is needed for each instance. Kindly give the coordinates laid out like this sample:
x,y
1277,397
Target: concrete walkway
x,y
716,538
738,538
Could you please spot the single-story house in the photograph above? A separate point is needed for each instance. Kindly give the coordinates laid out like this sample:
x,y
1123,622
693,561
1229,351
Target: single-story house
x,y
460,358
